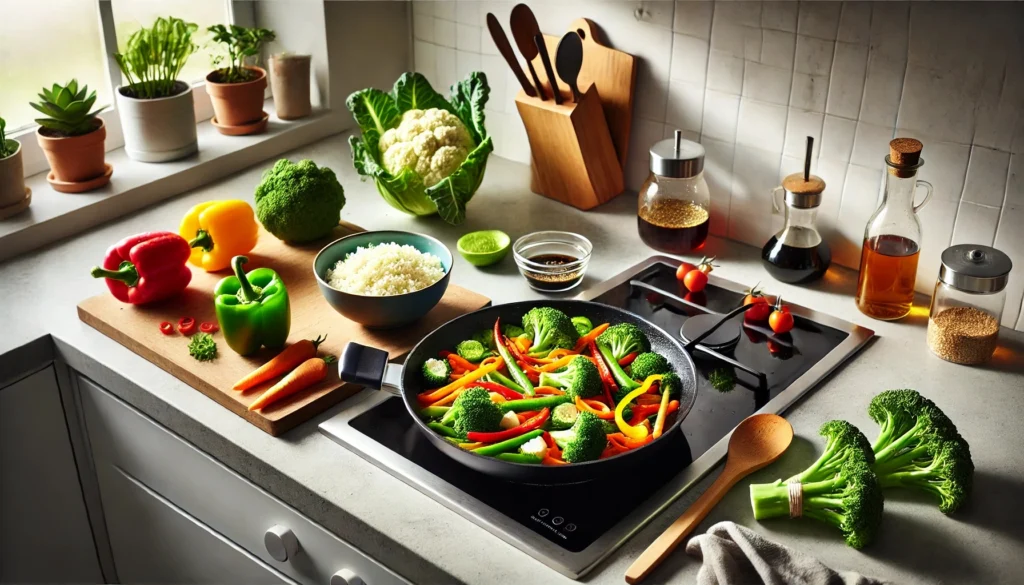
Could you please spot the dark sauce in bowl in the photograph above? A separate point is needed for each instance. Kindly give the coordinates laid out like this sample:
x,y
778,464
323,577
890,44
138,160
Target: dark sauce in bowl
x,y
555,279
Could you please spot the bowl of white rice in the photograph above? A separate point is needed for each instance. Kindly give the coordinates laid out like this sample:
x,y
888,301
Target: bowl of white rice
x,y
383,278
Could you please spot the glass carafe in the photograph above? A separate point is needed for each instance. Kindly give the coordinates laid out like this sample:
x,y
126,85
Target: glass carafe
x,y
892,239
797,254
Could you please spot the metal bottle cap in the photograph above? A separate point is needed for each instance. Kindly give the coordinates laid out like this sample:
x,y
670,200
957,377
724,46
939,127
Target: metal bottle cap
x,y
677,158
975,268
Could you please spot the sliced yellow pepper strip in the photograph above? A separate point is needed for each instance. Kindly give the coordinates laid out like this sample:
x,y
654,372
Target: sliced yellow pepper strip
x,y
487,366
659,423
557,364
638,431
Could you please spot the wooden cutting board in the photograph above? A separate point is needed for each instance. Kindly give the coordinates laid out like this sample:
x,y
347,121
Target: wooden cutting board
x,y
137,328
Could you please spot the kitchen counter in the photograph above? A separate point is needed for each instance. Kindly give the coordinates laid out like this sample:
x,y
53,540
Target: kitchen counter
x,y
427,543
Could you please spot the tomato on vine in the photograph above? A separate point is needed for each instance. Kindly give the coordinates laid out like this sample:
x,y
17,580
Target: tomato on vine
x,y
761,309
781,320
695,278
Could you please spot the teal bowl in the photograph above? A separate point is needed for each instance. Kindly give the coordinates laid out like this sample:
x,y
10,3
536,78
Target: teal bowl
x,y
382,312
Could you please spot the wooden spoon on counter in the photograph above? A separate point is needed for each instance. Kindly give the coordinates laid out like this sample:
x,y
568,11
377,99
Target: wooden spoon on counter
x,y
756,442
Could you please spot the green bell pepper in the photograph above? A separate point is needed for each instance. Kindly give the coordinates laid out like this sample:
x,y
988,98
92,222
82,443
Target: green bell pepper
x,y
252,309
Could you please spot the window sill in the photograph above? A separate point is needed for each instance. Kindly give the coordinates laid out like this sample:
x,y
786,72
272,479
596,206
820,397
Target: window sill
x,y
135,185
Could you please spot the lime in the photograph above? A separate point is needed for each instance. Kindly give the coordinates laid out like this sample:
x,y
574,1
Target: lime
x,y
484,247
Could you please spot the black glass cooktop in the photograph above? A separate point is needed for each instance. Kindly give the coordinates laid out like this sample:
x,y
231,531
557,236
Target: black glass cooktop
x,y
756,369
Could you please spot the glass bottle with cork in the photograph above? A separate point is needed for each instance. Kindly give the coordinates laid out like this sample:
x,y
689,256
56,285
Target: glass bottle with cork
x,y
892,238
673,210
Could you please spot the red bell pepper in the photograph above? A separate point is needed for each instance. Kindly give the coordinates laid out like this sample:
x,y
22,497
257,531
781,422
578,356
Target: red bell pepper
x,y
506,393
628,359
507,434
146,268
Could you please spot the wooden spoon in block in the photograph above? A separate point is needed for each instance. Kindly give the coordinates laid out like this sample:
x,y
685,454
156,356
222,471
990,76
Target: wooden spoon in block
x,y
756,442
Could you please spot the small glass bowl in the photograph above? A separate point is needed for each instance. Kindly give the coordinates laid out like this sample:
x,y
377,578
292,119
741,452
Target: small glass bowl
x,y
537,256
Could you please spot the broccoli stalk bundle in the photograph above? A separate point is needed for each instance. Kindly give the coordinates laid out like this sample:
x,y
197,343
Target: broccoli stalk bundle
x,y
579,379
549,329
839,488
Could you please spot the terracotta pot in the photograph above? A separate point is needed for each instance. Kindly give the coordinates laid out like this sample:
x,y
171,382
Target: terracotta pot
x,y
237,104
12,178
161,129
75,159
289,82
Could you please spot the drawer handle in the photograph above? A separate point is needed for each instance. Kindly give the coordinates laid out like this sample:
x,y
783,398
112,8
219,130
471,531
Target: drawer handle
x,y
346,577
281,543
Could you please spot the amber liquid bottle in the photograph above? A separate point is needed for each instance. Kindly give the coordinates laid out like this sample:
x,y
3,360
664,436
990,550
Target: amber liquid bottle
x,y
888,261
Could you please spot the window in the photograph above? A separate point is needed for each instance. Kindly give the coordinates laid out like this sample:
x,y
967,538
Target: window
x,y
45,43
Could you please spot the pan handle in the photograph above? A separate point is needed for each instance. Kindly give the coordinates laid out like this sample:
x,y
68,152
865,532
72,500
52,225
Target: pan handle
x,y
368,366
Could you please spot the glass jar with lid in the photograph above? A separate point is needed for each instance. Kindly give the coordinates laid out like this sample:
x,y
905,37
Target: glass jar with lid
x,y
968,302
674,206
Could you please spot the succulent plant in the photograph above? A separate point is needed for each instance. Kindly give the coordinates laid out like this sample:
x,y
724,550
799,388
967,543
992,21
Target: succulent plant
x,y
7,147
68,108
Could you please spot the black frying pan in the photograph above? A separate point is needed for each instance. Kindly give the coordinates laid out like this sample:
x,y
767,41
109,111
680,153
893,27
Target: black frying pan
x,y
366,366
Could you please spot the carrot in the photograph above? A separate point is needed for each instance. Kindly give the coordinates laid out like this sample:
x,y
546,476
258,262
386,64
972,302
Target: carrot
x,y
558,363
553,461
486,367
590,336
459,362
282,363
308,373
548,390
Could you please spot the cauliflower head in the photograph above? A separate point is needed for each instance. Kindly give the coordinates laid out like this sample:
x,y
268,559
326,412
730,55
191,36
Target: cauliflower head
x,y
432,143
299,202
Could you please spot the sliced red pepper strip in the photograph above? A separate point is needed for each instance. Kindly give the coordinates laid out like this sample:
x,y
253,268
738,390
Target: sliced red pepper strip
x,y
520,356
443,354
506,393
505,435
187,325
167,328
628,359
207,327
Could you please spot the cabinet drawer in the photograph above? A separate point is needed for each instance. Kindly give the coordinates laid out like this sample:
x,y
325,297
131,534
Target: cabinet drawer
x,y
218,497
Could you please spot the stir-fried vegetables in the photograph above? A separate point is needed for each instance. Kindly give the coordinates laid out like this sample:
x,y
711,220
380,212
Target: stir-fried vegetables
x,y
559,390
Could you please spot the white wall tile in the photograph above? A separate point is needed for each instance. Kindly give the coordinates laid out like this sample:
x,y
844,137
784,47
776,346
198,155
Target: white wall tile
x,y
882,89
937,219
777,48
945,167
689,59
445,9
986,176
718,162
935,102
693,18
423,7
834,175
642,136
860,199
761,125
727,37
466,63
1010,239
468,12
855,23
496,70
779,15
809,92
889,29
467,37
870,145
1015,182
765,83
685,106
813,56
725,72
653,47
720,113
975,224
423,27
998,116
425,59
837,139
447,73
819,19
846,85
799,125
754,173
444,32
745,13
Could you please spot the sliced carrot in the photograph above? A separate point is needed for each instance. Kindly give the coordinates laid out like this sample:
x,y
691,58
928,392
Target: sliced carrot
x,y
590,336
461,363
308,373
558,363
450,398
282,363
548,390
552,461
484,369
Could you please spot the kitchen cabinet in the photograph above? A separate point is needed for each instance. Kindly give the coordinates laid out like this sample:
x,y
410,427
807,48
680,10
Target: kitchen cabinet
x,y
44,528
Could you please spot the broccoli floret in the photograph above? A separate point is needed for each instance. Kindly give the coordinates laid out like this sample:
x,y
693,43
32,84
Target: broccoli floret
x,y
649,364
471,350
578,379
512,331
564,416
474,411
918,447
582,325
672,383
486,338
609,427
723,379
838,489
550,329
436,372
585,441
299,202
623,339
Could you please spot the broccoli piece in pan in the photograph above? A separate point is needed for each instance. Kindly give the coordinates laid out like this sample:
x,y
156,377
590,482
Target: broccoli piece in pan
x,y
564,416
582,325
436,372
471,350
649,364
585,441
474,411
550,329
578,379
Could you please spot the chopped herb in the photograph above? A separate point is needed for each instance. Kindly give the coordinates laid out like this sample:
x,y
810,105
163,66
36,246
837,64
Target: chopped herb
x,y
202,347
722,379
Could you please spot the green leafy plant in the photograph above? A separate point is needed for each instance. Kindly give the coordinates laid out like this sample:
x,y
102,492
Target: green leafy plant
x,y
410,189
68,109
153,57
7,147
241,43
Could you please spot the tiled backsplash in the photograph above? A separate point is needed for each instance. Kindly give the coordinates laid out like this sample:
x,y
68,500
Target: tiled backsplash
x,y
750,80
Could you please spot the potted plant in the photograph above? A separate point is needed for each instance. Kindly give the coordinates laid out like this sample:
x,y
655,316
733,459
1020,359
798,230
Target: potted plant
x,y
237,89
72,138
13,195
156,108
289,81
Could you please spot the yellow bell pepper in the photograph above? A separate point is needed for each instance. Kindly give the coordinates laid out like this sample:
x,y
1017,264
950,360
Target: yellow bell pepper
x,y
638,431
218,231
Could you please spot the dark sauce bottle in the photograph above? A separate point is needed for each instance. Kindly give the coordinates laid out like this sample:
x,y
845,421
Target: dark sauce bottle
x,y
797,254
795,265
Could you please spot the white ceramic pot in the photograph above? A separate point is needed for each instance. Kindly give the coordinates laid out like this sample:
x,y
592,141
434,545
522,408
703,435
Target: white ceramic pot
x,y
12,179
161,129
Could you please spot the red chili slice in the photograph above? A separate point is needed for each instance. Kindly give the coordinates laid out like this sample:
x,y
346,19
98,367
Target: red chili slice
x,y
209,327
167,328
186,325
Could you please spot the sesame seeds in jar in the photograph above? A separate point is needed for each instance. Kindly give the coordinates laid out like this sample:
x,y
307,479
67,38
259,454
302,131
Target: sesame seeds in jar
x,y
963,335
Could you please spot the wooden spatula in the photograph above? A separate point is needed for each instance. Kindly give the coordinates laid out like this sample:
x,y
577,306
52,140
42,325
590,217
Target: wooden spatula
x,y
757,441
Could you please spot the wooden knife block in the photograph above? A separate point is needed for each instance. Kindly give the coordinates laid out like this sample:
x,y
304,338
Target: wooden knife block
x,y
573,158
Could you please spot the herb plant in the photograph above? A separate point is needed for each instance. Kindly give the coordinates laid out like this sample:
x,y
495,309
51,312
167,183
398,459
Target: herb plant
x,y
67,108
241,44
153,57
7,147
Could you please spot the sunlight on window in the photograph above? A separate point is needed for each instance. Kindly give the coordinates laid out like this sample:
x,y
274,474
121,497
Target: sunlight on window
x,y
131,15
45,43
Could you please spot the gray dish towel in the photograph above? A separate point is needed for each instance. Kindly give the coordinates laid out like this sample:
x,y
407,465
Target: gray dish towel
x,y
735,555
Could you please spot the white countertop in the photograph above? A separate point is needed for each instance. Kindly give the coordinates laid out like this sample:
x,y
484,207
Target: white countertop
x,y
426,542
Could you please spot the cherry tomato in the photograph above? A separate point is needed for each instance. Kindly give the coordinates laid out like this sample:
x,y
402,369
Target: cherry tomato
x,y
209,327
167,328
683,270
695,280
759,312
186,325
781,320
